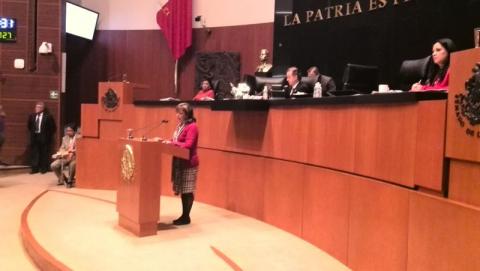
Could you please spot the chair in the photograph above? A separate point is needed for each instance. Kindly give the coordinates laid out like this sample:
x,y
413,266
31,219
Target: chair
x,y
279,70
215,87
413,71
256,83
360,78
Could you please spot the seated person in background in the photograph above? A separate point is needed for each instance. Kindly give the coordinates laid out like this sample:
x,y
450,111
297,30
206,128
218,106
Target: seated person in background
x,y
327,82
205,93
265,68
438,76
65,156
295,86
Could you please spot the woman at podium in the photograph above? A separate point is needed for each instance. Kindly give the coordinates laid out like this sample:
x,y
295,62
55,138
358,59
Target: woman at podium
x,y
184,172
439,74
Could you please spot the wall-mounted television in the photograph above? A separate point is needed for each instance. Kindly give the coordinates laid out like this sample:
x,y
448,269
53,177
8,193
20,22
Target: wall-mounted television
x,y
80,21
8,29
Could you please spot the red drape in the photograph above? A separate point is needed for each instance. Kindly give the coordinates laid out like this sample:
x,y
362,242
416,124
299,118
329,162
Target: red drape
x,y
175,21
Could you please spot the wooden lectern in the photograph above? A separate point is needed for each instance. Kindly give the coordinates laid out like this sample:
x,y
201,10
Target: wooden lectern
x,y
138,194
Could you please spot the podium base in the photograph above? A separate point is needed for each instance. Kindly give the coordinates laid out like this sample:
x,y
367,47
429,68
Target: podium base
x,y
139,229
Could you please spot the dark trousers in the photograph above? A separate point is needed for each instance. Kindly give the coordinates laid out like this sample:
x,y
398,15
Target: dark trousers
x,y
39,151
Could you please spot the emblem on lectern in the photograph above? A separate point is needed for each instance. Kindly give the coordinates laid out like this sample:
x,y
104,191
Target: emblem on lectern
x,y
110,100
467,106
128,164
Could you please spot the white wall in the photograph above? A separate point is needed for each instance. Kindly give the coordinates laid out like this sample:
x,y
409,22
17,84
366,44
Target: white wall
x,y
141,14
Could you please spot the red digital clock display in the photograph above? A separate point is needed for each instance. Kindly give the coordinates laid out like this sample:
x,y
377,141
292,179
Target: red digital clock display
x,y
8,29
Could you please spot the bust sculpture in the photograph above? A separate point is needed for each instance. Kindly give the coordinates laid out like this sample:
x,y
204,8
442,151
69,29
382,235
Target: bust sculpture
x,y
264,67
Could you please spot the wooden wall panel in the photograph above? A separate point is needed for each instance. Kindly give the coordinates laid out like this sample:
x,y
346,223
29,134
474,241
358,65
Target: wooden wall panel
x,y
110,129
103,158
20,89
464,182
378,226
28,87
245,185
430,148
166,176
385,142
17,135
326,210
283,198
212,184
289,143
45,10
442,235
331,138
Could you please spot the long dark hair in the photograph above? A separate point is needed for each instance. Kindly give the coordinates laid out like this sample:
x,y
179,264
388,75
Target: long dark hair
x,y
436,72
187,109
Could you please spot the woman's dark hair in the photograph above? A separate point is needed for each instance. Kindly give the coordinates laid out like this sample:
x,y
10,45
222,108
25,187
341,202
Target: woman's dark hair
x,y
187,109
208,80
436,73
71,125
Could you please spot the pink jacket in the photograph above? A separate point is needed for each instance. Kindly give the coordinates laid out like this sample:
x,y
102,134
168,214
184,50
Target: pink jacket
x,y
439,85
189,139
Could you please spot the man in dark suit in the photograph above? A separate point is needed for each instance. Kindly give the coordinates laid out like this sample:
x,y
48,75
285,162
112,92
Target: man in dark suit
x,y
41,127
295,87
327,82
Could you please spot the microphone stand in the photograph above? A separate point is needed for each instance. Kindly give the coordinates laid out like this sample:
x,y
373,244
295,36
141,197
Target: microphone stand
x,y
148,127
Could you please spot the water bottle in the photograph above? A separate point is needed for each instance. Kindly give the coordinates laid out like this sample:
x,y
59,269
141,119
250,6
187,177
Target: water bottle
x,y
265,93
317,90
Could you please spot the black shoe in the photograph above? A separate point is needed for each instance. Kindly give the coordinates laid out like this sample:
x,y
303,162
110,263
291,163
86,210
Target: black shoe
x,y
69,185
33,171
182,221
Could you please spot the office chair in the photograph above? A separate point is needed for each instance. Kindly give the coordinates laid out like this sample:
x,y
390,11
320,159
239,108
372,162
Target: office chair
x,y
360,78
413,71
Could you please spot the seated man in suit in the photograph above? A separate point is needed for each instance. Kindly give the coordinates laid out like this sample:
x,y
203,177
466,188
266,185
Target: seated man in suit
x,y
327,82
295,87
65,156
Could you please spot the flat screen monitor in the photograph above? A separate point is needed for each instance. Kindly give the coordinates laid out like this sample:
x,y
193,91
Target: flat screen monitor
x,y
361,78
80,21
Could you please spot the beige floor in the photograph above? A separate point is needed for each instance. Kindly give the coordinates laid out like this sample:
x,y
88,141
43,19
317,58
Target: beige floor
x,y
82,232
16,192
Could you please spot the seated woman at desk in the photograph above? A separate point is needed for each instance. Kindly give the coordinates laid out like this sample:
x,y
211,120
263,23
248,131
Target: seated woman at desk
x,y
205,93
438,76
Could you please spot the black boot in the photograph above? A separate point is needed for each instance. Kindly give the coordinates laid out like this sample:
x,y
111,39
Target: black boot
x,y
187,202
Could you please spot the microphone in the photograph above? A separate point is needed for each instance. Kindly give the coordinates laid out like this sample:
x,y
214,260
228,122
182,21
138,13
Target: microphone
x,y
115,77
149,128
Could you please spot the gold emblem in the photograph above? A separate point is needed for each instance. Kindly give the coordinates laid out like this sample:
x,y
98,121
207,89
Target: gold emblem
x,y
128,164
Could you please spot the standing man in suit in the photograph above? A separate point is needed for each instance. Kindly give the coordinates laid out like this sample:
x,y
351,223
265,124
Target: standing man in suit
x,y
41,127
327,82
295,85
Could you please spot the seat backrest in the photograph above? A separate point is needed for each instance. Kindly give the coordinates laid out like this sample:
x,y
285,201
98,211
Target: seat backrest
x,y
309,82
414,70
361,78
279,70
256,83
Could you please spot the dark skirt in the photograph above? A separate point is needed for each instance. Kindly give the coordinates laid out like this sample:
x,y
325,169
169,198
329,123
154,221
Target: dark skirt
x,y
184,179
